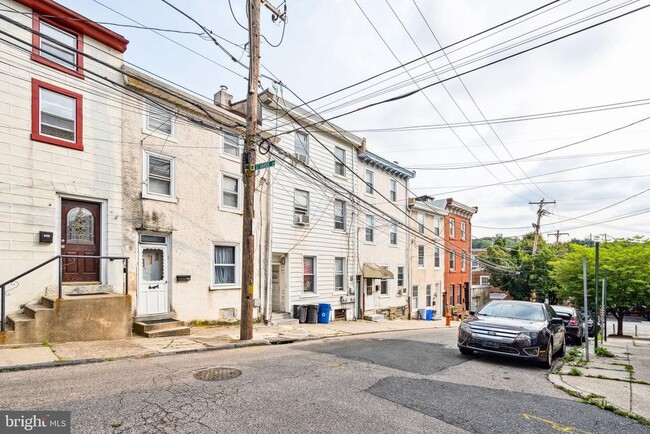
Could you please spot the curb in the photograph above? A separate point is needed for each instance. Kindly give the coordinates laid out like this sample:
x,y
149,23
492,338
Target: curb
x,y
229,346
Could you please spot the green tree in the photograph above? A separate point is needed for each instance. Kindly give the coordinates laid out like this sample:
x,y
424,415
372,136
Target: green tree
x,y
627,264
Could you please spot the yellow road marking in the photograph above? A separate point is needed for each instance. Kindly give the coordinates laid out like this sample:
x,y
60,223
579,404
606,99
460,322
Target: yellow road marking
x,y
557,426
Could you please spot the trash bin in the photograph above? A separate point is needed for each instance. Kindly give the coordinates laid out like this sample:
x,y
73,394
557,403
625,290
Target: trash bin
x,y
324,313
429,314
296,311
433,315
312,313
422,314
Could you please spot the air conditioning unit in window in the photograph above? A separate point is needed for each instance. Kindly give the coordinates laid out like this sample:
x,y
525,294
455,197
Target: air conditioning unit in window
x,y
301,219
301,157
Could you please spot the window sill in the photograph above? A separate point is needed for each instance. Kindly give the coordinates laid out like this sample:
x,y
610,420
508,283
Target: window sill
x,y
308,295
369,243
225,287
159,198
74,72
78,146
384,296
340,231
230,157
231,210
164,136
338,175
394,246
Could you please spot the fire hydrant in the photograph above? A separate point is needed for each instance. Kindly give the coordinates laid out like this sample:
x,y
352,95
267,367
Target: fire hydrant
x,y
448,320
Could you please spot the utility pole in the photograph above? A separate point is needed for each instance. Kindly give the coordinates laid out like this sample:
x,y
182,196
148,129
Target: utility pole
x,y
248,166
540,212
596,295
557,235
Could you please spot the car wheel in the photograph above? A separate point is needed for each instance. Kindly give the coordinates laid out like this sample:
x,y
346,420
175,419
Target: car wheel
x,y
466,351
548,361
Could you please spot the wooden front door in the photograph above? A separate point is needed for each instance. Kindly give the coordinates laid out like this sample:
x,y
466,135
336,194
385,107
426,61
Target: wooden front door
x,y
80,235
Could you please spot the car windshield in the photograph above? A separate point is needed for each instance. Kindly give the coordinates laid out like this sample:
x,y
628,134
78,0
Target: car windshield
x,y
513,310
563,309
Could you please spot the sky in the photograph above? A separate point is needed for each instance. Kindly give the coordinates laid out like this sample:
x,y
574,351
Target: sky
x,y
461,138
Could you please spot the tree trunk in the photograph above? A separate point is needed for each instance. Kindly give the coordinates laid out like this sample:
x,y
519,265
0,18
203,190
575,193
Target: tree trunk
x,y
619,331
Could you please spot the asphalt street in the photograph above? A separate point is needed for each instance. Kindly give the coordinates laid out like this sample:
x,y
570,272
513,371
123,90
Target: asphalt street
x,y
391,382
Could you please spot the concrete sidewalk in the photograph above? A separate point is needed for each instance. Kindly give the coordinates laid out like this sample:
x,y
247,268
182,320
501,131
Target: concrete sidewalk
x,y
21,357
622,381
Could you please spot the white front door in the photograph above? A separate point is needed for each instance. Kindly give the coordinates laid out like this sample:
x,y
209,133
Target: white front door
x,y
369,295
278,301
153,286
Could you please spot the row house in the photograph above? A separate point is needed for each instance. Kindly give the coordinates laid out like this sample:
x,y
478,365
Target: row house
x,y
458,244
61,193
427,256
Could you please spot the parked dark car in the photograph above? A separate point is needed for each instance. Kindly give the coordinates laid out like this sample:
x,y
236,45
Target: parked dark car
x,y
638,311
575,329
518,329
590,322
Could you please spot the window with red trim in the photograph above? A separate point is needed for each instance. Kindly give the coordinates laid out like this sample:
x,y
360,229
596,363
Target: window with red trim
x,y
56,115
57,46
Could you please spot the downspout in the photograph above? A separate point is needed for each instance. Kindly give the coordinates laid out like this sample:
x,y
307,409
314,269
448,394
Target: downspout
x,y
267,248
407,257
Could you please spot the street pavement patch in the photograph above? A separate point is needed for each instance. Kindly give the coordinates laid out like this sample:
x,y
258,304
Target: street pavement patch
x,y
406,355
485,410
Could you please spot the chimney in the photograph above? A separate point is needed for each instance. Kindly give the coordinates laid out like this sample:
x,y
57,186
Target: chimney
x,y
223,98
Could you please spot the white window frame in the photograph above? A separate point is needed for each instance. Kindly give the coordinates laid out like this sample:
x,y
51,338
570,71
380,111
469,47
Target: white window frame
x,y
452,228
299,209
75,115
69,49
344,216
236,284
437,258
224,136
452,260
421,253
341,273
314,273
296,141
338,165
392,190
383,284
222,205
370,184
392,234
428,298
436,226
415,295
400,276
463,229
463,261
145,177
148,105
421,217
484,280
371,227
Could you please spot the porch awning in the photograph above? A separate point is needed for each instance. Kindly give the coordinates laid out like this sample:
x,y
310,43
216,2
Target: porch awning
x,y
374,271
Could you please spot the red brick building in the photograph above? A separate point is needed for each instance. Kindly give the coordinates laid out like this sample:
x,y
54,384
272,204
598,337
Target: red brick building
x,y
457,232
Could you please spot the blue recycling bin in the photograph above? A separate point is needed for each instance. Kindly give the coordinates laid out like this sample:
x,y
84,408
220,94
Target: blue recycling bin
x,y
429,314
324,313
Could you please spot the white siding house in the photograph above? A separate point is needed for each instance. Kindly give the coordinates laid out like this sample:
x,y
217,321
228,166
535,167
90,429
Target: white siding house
x,y
313,216
383,240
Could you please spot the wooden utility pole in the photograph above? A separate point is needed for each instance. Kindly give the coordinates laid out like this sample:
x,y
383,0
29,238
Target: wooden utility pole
x,y
540,212
248,167
557,235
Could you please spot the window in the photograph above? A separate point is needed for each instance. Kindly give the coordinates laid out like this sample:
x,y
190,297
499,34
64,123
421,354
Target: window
x,y
226,268
436,257
339,166
484,280
368,286
462,230
158,176
428,296
451,294
61,54
392,238
452,260
415,296
302,143
452,228
383,286
370,228
436,226
309,274
421,223
370,182
421,256
301,202
339,274
339,214
392,190
463,261
56,116
230,192
159,119
231,144
400,277
459,294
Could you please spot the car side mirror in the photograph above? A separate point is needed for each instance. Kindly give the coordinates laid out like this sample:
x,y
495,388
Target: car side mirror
x,y
557,321
472,312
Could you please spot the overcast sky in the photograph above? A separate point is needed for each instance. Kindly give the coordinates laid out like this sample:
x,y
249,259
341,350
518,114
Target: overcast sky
x,y
329,44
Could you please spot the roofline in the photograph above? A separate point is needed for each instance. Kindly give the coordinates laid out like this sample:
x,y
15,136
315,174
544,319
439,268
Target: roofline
x,y
309,119
75,21
422,206
387,166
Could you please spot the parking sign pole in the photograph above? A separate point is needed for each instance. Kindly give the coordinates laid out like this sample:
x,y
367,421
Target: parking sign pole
x,y
585,306
605,305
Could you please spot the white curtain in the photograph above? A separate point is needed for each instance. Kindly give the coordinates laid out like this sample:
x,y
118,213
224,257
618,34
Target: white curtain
x,y
225,264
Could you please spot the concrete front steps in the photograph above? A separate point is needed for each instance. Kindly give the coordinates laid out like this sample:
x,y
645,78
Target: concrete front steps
x,y
93,317
161,328
283,318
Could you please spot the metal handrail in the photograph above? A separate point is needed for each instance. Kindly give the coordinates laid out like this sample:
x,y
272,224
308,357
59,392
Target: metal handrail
x,y
3,319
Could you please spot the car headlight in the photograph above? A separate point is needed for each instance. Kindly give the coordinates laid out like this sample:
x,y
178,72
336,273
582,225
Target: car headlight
x,y
465,328
527,337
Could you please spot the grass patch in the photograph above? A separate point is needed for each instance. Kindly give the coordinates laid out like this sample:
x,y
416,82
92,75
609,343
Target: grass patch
x,y
603,405
47,343
116,424
109,359
569,391
603,352
573,355
575,372
15,347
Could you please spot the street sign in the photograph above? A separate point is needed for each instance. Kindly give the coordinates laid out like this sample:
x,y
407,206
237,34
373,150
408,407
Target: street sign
x,y
265,165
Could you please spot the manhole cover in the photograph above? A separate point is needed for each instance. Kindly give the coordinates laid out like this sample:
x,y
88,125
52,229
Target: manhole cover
x,y
217,374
